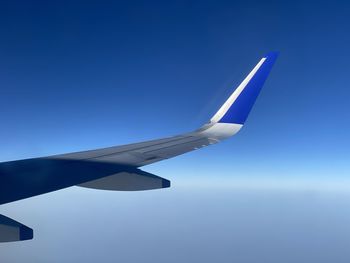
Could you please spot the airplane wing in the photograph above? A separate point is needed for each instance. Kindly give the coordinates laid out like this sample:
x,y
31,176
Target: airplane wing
x,y
225,123
117,168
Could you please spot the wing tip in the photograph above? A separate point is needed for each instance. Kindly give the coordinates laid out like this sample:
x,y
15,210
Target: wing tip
x,y
272,55
242,104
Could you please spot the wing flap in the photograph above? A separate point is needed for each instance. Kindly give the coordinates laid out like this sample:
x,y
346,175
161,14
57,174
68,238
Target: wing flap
x,y
11,230
154,153
128,181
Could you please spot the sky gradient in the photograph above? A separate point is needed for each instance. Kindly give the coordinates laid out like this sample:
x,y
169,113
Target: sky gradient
x,y
90,74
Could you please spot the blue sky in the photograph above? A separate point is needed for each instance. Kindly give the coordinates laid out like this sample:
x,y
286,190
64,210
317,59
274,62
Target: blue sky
x,y
81,76
89,74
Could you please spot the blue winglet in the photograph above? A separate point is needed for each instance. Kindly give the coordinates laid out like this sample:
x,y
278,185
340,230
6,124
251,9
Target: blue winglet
x,y
239,110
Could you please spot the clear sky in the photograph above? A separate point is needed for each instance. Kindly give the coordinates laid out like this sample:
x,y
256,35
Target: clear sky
x,y
78,75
